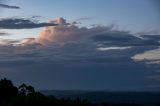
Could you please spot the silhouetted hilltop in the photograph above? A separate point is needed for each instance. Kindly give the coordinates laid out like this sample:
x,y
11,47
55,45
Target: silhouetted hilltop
x,y
25,95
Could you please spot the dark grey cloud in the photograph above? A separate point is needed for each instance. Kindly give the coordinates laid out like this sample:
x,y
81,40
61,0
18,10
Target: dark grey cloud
x,y
151,37
8,6
121,38
21,23
74,66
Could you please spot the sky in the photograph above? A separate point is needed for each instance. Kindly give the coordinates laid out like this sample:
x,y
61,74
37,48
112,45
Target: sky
x,y
81,45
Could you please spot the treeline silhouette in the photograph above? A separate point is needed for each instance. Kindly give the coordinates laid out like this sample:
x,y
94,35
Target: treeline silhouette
x,y
25,95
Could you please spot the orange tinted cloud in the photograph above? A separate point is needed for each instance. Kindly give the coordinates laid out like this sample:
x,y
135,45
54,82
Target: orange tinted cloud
x,y
65,31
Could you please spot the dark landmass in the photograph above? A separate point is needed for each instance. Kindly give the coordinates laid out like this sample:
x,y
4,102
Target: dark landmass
x,y
152,98
25,95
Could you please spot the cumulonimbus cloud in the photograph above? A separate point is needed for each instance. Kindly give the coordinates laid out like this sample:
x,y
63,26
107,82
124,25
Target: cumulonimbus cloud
x,y
71,32
105,35
96,39
21,23
64,31
60,31
8,6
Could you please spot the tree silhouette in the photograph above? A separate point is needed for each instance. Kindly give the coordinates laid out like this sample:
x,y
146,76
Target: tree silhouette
x,y
7,90
30,89
22,89
25,90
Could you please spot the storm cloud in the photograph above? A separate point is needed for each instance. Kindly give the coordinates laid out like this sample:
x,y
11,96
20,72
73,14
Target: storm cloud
x,y
98,37
63,37
74,52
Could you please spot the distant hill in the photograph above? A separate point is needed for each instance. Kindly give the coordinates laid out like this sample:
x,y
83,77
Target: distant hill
x,y
147,98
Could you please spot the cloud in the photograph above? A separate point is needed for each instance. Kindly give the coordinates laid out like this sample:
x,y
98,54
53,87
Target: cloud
x,y
150,57
4,34
105,35
153,62
59,31
83,19
21,23
67,32
151,37
8,6
60,39
116,38
97,37
112,48
8,42
68,53
78,21
69,42
155,77
123,38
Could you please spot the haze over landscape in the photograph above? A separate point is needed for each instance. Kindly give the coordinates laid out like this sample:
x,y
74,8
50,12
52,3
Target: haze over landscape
x,y
106,45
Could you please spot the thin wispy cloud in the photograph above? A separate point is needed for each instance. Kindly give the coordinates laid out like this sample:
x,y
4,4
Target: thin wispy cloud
x,y
112,48
9,6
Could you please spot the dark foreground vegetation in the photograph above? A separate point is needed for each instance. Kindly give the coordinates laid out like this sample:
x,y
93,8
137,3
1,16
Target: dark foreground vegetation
x,y
25,95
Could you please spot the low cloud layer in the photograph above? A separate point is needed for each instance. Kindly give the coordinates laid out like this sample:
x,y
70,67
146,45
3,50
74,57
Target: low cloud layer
x,y
8,6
